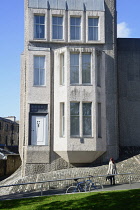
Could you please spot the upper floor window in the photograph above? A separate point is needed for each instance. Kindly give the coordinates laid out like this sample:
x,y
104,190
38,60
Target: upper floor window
x,y
39,26
75,28
39,70
74,68
93,29
86,68
57,27
80,74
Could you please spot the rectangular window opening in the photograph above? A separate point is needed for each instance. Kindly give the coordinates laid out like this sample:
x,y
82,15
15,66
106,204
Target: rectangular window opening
x,y
39,26
62,119
75,28
93,29
74,68
74,119
87,125
86,68
62,70
39,70
57,27
99,121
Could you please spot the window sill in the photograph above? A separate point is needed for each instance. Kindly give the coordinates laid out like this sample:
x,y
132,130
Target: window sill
x,y
81,85
40,86
39,39
84,137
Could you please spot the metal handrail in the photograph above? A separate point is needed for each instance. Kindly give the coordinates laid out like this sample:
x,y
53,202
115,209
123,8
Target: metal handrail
x,y
56,180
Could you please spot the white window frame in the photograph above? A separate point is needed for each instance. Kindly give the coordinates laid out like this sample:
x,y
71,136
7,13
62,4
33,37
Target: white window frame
x,y
101,26
76,14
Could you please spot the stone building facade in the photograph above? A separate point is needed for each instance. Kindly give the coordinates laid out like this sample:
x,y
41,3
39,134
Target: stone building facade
x,y
9,132
69,109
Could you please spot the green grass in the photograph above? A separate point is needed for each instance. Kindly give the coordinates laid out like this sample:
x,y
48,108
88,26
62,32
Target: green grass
x,y
124,199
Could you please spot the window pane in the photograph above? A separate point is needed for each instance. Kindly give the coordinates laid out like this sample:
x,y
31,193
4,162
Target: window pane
x,y
60,32
54,20
74,68
54,32
60,20
36,76
77,33
42,77
78,21
42,19
36,19
86,109
87,119
74,126
36,61
87,126
74,108
74,75
86,68
42,61
41,31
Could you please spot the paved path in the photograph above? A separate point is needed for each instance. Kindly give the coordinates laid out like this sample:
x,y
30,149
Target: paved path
x,y
60,192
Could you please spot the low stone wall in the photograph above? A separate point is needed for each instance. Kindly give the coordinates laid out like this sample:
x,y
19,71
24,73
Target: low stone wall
x,y
130,165
10,165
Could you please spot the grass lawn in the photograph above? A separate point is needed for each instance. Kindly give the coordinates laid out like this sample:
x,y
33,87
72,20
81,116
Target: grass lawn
x,y
124,199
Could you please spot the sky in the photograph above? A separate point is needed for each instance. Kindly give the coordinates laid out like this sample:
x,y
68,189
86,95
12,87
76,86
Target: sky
x,y
12,45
